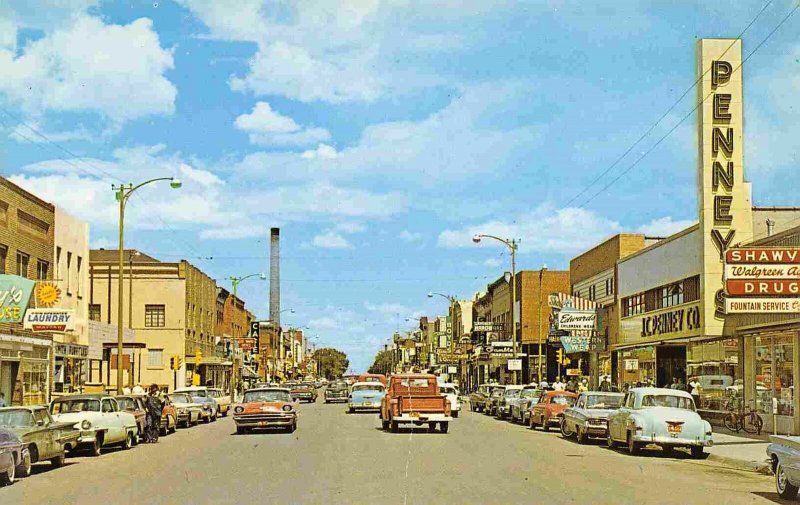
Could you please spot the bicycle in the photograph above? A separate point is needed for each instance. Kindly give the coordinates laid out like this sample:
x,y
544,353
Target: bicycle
x,y
748,421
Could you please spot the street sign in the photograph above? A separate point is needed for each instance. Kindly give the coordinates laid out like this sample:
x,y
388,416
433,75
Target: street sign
x,y
246,344
58,320
576,319
515,364
573,372
487,326
575,344
254,328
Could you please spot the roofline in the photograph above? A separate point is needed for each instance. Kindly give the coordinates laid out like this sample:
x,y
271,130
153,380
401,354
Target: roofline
x,y
26,194
674,236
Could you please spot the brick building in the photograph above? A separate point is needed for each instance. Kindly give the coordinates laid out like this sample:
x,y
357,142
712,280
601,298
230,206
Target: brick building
x,y
27,233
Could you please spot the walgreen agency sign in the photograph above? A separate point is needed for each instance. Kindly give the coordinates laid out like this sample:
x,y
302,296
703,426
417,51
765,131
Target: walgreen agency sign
x,y
15,291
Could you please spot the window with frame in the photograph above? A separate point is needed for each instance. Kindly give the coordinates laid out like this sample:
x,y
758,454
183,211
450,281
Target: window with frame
x,y
154,316
79,267
94,312
3,258
633,305
576,293
22,264
610,286
67,274
671,295
58,263
155,357
592,292
42,269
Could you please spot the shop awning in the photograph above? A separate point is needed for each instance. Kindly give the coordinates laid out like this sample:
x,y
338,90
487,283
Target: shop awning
x,y
563,300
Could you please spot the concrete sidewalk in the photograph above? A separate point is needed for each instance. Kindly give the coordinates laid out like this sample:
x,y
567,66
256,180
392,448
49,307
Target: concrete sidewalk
x,y
740,452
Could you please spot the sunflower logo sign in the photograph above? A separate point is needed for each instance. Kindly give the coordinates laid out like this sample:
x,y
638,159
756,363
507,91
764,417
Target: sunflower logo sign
x,y
47,294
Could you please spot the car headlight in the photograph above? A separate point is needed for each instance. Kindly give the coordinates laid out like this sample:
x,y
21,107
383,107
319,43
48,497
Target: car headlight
x,y
86,424
287,408
238,410
205,406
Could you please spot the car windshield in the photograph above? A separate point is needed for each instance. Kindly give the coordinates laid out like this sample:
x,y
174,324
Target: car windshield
x,y
199,394
267,396
414,383
447,390
563,400
369,387
603,401
337,387
16,418
77,405
530,393
512,393
179,398
673,401
497,393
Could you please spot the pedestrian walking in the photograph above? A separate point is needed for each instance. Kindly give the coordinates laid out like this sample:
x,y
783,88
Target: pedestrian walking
x,y
694,390
571,386
605,385
154,407
138,389
3,400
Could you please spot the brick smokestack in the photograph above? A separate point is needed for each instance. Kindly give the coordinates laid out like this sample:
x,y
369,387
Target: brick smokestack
x,y
275,275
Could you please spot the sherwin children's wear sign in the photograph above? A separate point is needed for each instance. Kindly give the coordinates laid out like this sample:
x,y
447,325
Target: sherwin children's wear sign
x,y
15,292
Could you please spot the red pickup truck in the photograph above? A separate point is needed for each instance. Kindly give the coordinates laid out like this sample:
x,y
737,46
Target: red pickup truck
x,y
415,398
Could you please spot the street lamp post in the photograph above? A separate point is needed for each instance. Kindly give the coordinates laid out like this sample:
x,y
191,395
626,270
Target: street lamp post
x,y
541,276
235,369
511,244
123,193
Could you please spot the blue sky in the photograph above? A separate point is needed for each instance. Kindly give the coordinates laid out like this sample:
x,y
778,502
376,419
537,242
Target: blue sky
x,y
379,135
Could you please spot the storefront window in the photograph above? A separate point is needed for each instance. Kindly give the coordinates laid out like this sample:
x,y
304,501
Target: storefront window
x,y
773,372
34,382
637,367
715,375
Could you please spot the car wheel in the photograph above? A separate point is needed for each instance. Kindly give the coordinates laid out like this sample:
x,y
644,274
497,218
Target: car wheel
x,y
128,443
7,478
698,453
444,427
94,449
293,427
432,427
455,414
59,460
207,420
384,424
564,429
351,410
24,468
174,425
394,427
610,443
785,488
241,430
580,436
633,446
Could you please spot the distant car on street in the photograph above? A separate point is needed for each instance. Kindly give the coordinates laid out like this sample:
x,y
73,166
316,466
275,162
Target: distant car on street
x,y
134,405
478,399
504,403
223,400
550,409
493,402
187,411
372,377
44,438
265,408
449,390
13,456
520,407
303,393
209,407
366,396
414,399
589,416
336,392
99,420
664,417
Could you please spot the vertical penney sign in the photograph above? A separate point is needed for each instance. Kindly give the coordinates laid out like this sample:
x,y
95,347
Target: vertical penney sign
x,y
724,197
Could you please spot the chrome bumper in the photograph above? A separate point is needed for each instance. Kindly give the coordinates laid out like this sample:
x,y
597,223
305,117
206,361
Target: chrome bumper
x,y
422,418
670,440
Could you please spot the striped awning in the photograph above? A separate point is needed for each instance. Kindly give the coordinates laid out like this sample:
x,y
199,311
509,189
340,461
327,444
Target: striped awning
x,y
562,300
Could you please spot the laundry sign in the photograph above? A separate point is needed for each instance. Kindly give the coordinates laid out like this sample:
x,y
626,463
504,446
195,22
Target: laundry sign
x,y
15,292
57,320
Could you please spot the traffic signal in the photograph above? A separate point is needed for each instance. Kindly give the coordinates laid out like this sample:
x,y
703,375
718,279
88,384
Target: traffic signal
x,y
172,363
560,355
178,362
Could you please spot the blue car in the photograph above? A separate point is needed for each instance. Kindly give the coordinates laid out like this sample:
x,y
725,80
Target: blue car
x,y
366,396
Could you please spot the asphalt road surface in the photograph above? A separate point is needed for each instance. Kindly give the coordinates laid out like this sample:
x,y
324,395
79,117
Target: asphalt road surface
x,y
335,457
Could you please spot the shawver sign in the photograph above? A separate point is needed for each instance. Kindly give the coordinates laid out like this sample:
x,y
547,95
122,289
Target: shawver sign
x,y
49,320
762,280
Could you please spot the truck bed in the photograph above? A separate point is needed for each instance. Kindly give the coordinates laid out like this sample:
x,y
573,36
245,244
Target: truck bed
x,y
420,403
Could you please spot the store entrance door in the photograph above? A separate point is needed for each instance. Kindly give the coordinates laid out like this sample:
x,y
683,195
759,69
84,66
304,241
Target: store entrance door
x,y
8,377
670,363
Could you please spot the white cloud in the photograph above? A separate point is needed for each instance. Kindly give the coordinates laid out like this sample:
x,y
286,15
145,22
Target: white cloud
x,y
323,151
28,134
202,177
233,232
116,71
350,227
269,127
331,240
665,226
493,262
410,236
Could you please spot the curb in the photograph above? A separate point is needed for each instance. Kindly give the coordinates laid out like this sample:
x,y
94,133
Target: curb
x,y
760,467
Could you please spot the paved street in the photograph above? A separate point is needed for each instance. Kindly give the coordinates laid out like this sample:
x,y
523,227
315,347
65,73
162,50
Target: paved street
x,y
336,457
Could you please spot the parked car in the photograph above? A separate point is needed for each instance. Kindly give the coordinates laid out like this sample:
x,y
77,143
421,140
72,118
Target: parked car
x,y
449,390
550,408
223,400
13,455
169,416
336,392
209,408
503,404
784,456
99,420
520,407
265,408
365,396
665,417
187,411
494,400
589,416
414,398
478,399
44,439
303,392
134,405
